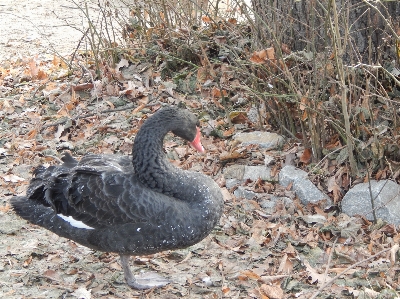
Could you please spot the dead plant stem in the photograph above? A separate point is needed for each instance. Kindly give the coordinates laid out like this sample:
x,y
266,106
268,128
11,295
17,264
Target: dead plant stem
x,y
339,48
384,18
371,197
328,265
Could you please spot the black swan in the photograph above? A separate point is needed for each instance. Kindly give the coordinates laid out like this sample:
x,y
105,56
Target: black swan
x,y
129,205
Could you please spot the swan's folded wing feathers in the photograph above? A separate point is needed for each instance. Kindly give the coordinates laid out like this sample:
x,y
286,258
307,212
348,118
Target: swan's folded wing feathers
x,y
92,203
102,195
100,191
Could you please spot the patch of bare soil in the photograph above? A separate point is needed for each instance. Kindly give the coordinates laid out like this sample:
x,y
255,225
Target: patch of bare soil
x,y
40,27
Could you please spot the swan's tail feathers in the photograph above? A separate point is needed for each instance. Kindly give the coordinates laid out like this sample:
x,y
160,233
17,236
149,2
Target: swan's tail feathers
x,y
25,208
36,213
49,186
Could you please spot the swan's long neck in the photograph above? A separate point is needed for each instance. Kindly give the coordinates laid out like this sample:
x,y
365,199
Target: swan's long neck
x,y
149,161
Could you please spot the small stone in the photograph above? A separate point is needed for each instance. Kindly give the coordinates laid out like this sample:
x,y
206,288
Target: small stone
x,y
306,191
234,172
241,192
230,183
257,172
265,140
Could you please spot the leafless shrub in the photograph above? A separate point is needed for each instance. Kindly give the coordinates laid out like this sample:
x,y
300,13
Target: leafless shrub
x,y
322,72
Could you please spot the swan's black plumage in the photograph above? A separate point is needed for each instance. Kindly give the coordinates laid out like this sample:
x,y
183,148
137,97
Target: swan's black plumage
x,y
131,206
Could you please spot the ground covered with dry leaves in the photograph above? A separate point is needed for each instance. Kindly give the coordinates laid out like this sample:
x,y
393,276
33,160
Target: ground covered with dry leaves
x,y
295,252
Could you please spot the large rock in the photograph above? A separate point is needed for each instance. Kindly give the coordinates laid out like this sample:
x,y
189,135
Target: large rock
x,y
386,197
302,186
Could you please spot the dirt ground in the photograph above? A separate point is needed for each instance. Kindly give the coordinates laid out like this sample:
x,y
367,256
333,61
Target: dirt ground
x,y
38,27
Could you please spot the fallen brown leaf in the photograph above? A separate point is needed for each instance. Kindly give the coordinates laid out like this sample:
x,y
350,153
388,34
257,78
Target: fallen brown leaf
x,y
272,291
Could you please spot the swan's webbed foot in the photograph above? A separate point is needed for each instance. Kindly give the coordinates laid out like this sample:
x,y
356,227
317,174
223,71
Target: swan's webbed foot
x,y
143,281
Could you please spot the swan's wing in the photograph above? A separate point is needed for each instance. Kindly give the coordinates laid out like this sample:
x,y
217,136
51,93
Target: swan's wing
x,y
99,191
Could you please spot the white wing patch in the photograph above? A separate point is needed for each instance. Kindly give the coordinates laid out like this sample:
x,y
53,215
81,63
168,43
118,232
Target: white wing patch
x,y
74,222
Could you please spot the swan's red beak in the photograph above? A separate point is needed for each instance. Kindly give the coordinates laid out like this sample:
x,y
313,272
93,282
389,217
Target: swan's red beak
x,y
196,143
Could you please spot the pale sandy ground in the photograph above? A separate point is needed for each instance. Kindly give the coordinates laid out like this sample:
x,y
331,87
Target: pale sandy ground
x,y
41,27
34,27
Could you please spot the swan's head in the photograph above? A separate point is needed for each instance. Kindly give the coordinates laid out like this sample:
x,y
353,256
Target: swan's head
x,y
187,126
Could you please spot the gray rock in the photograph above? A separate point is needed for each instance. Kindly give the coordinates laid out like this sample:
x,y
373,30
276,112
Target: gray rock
x,y
269,204
230,183
242,192
386,195
263,139
253,116
234,172
302,186
257,172
289,174
309,193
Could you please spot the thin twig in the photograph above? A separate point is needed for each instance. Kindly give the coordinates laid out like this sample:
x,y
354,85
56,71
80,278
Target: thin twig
x,y
330,259
385,18
326,284
79,44
323,159
383,204
375,67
